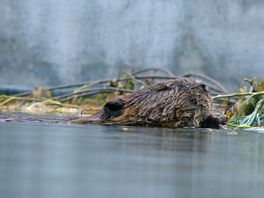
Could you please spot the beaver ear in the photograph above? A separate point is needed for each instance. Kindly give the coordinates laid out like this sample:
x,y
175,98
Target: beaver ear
x,y
204,87
114,108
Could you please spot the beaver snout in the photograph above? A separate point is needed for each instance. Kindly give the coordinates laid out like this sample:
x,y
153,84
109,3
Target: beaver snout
x,y
213,121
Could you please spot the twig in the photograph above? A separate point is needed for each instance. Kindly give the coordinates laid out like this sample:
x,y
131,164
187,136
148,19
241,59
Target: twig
x,y
23,94
238,95
19,98
167,72
134,78
88,93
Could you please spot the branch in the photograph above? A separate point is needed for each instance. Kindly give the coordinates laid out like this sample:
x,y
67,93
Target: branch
x,y
238,95
90,92
165,71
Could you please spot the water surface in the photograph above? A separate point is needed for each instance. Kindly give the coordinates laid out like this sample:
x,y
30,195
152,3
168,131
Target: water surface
x,y
58,160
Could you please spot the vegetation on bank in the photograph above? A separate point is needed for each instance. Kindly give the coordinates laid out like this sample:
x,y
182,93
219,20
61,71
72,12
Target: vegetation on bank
x,y
244,109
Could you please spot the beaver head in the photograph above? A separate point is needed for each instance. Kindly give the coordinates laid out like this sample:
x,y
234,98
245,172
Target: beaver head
x,y
175,103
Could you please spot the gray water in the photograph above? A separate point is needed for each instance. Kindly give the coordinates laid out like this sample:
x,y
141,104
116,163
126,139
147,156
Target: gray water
x,y
56,160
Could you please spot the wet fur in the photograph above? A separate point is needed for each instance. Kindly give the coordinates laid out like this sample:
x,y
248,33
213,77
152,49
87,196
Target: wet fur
x,y
172,104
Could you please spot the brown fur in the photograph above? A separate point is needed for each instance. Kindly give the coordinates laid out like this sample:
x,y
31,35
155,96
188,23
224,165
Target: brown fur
x,y
174,104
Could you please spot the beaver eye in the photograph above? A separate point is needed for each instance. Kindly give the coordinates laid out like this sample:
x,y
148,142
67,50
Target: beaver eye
x,y
204,87
114,108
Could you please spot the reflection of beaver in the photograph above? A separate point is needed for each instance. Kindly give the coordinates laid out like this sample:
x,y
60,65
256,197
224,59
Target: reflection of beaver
x,y
173,104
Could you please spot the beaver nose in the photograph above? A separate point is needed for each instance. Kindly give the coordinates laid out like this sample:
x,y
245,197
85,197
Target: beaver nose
x,y
204,87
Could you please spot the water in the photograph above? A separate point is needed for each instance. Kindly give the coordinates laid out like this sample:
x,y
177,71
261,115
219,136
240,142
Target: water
x,y
59,160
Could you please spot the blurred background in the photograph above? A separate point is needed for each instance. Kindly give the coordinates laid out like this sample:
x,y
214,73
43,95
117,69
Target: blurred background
x,y
45,43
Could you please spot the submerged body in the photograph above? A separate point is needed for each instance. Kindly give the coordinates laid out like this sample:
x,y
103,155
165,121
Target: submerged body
x,y
172,104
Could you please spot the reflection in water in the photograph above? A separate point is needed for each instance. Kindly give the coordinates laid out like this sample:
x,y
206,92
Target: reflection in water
x,y
43,160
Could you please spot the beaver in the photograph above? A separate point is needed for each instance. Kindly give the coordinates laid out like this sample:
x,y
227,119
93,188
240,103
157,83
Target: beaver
x,y
175,103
